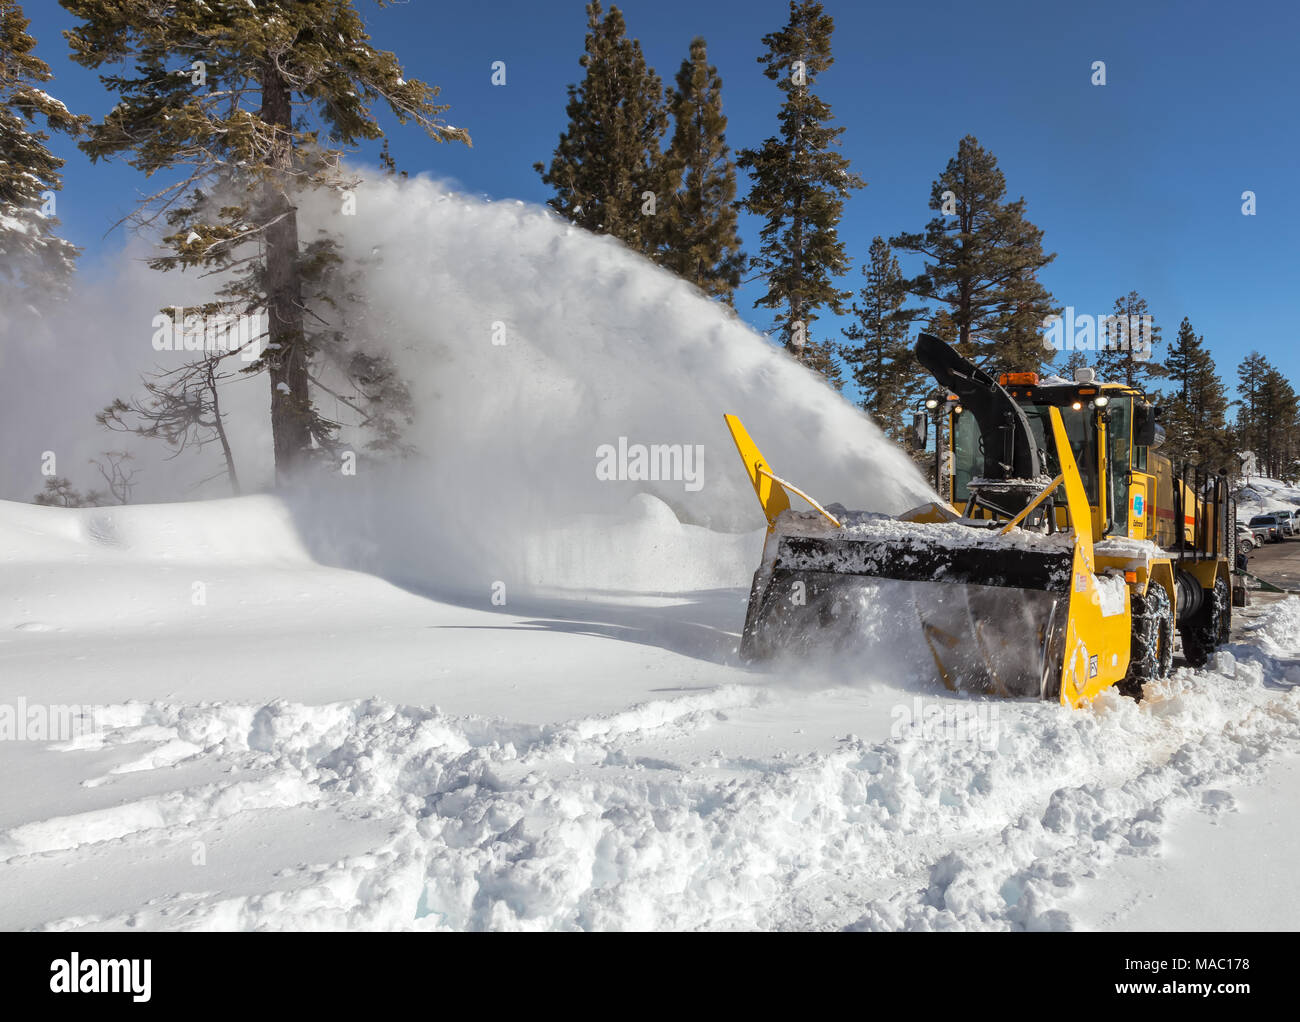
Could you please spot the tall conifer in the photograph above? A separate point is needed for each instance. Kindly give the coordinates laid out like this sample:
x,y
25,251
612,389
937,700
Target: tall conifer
x,y
701,243
219,99
883,365
32,257
799,184
608,170
982,258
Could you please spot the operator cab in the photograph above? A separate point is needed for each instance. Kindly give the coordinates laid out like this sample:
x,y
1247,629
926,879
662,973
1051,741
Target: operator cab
x,y
1093,414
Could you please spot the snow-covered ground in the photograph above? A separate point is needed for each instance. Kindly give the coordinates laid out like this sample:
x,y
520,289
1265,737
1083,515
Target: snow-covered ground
x,y
282,744
1261,495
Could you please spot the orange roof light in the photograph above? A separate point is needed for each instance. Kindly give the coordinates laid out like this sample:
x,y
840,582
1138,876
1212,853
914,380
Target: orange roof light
x,y
1019,379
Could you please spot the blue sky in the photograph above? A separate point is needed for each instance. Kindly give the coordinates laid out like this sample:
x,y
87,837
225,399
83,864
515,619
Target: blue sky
x,y
1137,183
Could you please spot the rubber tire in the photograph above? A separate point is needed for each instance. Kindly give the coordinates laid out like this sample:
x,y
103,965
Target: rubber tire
x,y
1151,655
1209,630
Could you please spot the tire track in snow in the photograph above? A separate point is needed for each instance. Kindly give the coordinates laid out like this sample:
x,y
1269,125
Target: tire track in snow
x,y
1018,878
301,752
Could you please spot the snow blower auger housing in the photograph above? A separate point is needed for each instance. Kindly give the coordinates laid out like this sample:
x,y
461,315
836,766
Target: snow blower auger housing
x,y
1076,554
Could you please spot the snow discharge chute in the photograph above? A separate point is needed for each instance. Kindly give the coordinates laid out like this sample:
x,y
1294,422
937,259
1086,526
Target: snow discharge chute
x,y
1002,598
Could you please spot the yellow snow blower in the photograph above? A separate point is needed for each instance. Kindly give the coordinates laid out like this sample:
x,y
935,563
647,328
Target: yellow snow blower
x,y
1076,553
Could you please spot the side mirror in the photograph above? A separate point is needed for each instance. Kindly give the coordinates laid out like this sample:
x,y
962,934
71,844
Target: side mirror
x,y
919,431
1144,425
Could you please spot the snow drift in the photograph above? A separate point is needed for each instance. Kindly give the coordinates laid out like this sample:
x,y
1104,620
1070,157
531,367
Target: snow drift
x,y
1262,495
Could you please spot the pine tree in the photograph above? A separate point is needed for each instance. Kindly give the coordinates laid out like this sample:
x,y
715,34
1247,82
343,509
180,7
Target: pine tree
x,y
1277,430
701,243
59,492
32,257
224,93
1251,375
883,365
1186,354
1288,447
982,258
941,324
1196,422
799,184
608,170
1124,351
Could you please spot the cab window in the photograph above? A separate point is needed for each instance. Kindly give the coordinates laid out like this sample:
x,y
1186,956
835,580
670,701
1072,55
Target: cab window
x,y
968,458
1082,432
1118,435
967,461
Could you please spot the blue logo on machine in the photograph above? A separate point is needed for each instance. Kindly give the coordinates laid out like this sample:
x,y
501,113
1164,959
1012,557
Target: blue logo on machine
x,y
1137,505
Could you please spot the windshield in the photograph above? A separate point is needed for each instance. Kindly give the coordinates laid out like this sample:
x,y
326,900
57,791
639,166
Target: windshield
x,y
1082,432
968,454
1262,520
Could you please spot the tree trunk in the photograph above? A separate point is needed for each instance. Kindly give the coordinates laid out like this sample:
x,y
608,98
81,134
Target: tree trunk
x,y
796,292
220,426
964,295
290,400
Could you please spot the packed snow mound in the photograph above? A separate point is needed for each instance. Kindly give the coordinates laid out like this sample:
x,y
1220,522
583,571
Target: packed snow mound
x,y
244,530
68,570
557,375
1279,632
1262,495
646,549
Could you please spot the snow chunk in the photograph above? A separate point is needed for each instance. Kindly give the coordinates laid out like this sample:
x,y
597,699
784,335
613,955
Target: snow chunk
x,y
1111,591
963,534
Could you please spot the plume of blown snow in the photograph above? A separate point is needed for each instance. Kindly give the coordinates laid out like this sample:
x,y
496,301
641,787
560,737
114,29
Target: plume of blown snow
x,y
531,346
62,361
